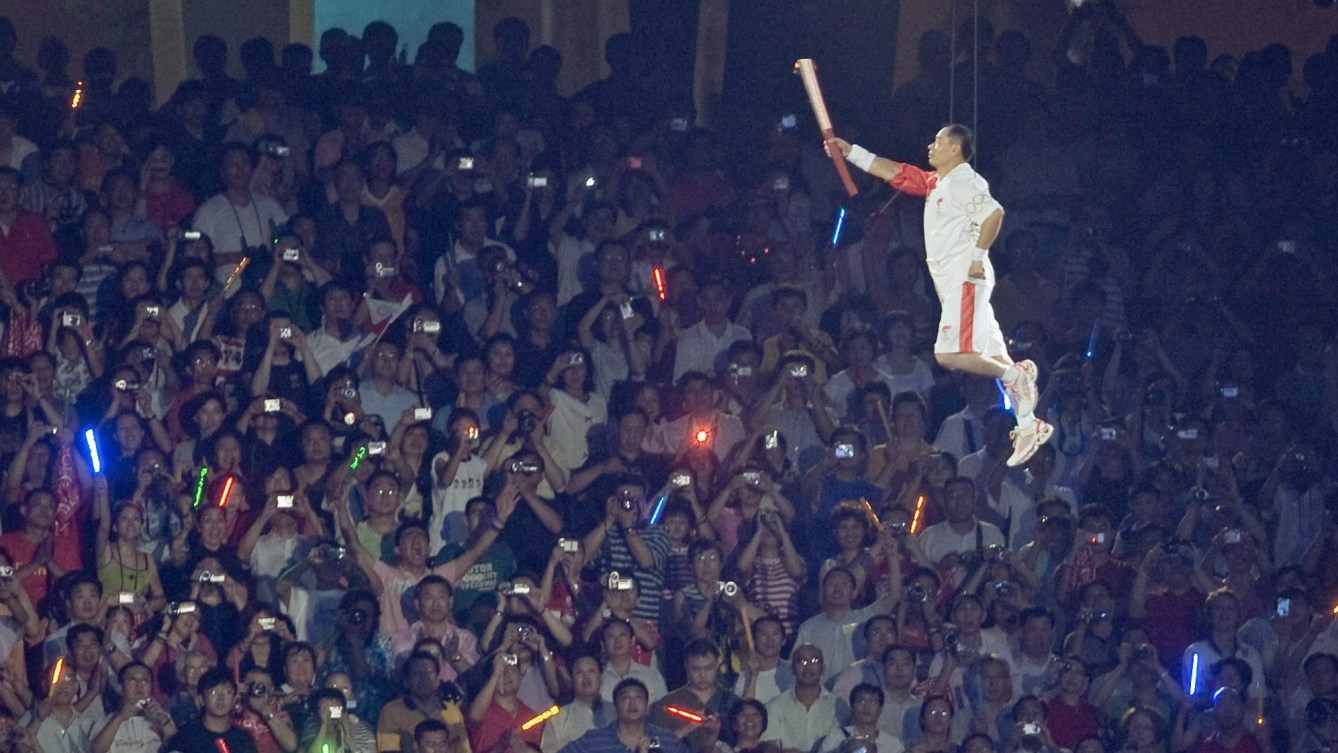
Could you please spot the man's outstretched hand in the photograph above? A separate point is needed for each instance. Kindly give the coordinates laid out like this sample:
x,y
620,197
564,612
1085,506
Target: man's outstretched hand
x,y
835,143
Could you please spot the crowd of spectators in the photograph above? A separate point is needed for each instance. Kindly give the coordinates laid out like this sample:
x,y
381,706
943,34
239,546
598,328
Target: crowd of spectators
x,y
391,407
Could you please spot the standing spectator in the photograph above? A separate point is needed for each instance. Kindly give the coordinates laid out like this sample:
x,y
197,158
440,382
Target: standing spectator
x,y
804,715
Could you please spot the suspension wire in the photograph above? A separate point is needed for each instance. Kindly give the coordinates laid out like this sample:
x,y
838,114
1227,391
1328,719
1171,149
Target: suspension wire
x,y
975,79
952,64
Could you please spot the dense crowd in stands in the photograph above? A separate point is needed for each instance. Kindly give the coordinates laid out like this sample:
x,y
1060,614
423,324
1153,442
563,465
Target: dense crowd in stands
x,y
396,407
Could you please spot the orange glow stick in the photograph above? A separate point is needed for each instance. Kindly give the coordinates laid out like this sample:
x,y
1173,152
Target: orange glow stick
x,y
869,509
919,511
58,671
78,97
237,271
227,492
543,716
685,714
661,289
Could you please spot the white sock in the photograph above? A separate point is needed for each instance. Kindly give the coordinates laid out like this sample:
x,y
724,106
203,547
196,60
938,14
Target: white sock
x,y
1011,374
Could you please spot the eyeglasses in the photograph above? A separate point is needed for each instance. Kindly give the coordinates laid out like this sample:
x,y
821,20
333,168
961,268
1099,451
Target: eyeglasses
x,y
387,355
809,660
221,690
386,492
708,557
939,712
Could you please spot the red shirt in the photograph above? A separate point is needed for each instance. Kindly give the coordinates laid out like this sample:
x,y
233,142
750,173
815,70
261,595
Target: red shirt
x,y
169,210
496,721
22,549
1173,629
26,247
1070,724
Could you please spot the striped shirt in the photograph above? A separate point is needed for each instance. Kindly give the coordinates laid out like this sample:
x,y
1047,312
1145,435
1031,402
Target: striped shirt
x,y
775,590
616,556
605,740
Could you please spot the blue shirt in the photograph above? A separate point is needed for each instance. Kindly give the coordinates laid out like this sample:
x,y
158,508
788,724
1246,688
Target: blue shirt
x,y
605,740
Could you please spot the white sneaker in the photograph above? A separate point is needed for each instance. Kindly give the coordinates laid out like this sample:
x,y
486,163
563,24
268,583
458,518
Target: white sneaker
x,y
1023,391
1027,439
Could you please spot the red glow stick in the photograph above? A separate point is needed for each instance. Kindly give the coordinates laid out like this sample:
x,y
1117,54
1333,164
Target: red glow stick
x,y
919,511
661,289
543,716
227,492
685,714
221,745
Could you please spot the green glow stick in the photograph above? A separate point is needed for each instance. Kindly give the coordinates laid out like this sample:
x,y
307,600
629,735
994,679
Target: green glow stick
x,y
358,457
199,485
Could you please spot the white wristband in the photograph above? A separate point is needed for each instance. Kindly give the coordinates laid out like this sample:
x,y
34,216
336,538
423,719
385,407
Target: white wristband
x,y
979,254
860,157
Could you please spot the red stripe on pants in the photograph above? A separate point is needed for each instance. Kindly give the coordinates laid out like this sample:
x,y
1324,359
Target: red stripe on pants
x,y
966,324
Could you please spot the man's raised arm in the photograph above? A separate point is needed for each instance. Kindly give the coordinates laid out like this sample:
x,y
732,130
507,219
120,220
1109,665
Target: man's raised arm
x,y
864,159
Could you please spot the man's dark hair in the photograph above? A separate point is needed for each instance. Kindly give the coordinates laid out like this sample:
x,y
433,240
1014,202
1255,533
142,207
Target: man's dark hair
x,y
701,647
630,682
866,688
408,525
964,137
426,726
432,580
213,678
422,656
75,631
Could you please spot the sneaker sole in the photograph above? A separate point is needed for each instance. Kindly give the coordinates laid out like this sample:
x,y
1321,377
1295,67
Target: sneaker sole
x,y
1038,435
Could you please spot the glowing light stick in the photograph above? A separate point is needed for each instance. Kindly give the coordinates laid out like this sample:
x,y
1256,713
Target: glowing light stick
x,y
221,745
840,225
685,714
919,512
199,486
702,436
227,492
543,716
237,271
1091,341
58,672
78,97
1194,674
869,509
358,457
1007,403
661,288
659,509
91,438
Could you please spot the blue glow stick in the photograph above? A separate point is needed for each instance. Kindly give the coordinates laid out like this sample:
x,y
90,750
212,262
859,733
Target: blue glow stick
x,y
840,225
91,438
1003,393
1091,341
659,509
1194,674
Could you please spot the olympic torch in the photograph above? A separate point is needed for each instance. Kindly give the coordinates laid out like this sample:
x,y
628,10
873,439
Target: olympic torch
x,y
808,71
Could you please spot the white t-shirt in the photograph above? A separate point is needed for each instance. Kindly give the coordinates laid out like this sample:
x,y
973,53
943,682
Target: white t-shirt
x,y
233,227
956,206
698,348
940,540
448,502
569,427
568,252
